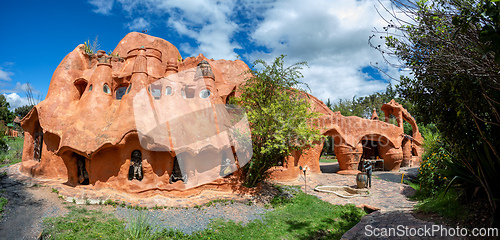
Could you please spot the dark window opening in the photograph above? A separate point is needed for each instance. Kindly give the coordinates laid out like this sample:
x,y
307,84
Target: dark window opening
x,y
90,88
168,91
371,152
106,89
128,89
135,170
414,152
81,85
370,149
120,92
281,162
177,173
37,146
83,175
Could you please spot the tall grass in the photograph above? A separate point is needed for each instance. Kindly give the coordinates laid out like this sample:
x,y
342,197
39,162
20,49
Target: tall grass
x,y
14,155
140,227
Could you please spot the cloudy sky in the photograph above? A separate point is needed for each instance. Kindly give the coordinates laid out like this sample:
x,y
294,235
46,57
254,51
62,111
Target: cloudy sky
x,y
332,36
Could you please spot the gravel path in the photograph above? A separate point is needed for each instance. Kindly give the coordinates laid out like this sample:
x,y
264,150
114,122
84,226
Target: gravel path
x,y
195,219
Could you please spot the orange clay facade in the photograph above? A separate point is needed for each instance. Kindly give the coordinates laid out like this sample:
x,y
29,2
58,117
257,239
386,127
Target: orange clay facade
x,y
86,131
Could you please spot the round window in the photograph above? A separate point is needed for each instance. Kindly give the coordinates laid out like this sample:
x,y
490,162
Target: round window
x,y
168,91
90,88
106,88
205,93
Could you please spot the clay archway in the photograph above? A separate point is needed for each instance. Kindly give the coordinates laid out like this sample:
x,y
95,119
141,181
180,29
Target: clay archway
x,y
348,156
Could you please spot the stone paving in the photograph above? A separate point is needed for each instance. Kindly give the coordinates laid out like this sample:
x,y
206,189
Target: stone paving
x,y
393,220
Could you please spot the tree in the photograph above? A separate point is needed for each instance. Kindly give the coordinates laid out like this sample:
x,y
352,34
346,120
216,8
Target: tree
x,y
363,106
23,111
278,114
5,114
455,81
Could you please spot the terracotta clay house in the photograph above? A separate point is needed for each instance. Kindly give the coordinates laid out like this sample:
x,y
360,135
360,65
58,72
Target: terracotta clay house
x,y
357,138
144,120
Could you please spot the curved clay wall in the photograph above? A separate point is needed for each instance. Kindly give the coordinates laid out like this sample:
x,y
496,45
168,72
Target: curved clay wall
x,y
136,112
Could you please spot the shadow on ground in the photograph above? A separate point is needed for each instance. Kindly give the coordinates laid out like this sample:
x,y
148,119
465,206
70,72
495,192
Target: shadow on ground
x,y
26,207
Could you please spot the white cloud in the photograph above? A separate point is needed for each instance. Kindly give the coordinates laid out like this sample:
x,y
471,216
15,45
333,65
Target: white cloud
x,y
15,100
138,24
4,75
103,6
207,22
332,36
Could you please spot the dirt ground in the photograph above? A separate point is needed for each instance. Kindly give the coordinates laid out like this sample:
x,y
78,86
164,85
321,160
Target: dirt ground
x,y
27,205
30,203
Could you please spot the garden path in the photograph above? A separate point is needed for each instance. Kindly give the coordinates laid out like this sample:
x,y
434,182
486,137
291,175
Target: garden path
x,y
387,195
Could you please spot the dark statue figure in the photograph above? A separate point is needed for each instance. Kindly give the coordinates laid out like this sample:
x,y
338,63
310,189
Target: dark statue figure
x,y
135,170
368,168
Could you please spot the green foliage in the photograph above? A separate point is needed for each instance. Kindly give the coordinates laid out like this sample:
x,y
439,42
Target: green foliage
x,y
91,48
324,159
111,203
3,202
363,106
5,114
486,15
278,116
14,155
446,205
3,144
451,51
432,177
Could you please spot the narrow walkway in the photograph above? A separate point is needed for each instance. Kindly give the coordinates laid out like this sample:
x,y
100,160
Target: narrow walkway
x,y
393,220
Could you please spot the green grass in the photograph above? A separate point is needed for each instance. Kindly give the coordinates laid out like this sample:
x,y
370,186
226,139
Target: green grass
x,y
301,217
447,206
324,159
84,224
14,155
3,202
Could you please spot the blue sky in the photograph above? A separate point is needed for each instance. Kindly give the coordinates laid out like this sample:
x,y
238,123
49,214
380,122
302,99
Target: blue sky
x,y
332,36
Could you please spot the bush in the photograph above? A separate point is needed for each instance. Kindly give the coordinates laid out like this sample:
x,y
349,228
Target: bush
x,y
433,173
432,177
278,114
